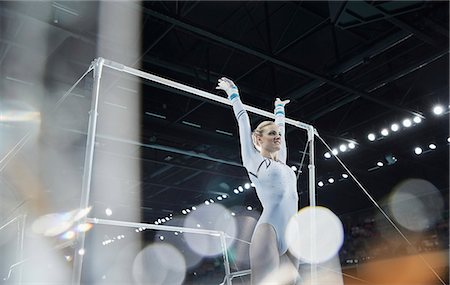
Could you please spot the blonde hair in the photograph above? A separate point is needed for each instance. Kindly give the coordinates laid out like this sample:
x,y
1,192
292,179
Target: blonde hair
x,y
259,132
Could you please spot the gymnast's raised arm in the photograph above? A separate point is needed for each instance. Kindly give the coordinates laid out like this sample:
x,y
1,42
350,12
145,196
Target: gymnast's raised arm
x,y
280,122
248,152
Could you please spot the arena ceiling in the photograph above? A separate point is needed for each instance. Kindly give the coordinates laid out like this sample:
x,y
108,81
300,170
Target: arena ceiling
x,y
348,67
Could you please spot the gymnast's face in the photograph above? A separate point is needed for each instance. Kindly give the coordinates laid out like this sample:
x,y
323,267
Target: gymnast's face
x,y
270,140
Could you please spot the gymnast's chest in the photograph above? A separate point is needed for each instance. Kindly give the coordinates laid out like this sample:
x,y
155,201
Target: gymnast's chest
x,y
276,174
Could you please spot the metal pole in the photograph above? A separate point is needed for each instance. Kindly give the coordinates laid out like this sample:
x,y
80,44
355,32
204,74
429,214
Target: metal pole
x,y
312,203
21,245
311,167
88,162
225,258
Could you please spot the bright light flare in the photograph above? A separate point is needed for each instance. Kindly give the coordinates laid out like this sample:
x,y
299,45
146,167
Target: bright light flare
x,y
438,110
16,111
82,228
407,123
395,127
417,120
314,225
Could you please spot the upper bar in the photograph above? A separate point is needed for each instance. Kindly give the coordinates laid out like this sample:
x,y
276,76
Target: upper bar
x,y
198,92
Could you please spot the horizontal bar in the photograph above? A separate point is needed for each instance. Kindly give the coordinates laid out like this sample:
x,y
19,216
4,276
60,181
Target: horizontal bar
x,y
9,222
240,273
152,226
198,92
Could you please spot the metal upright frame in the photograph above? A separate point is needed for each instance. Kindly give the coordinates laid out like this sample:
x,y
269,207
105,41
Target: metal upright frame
x,y
98,65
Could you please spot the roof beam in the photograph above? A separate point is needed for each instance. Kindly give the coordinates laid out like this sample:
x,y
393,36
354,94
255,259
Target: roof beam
x,y
406,27
226,42
375,87
347,65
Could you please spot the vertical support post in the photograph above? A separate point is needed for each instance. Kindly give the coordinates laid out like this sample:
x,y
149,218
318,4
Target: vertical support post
x,y
88,162
311,167
21,229
225,258
312,202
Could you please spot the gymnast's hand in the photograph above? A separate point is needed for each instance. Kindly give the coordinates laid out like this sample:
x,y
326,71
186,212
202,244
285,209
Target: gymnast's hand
x,y
282,103
227,85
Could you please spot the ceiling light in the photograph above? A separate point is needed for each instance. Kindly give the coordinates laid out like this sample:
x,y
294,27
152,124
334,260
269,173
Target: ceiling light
x,y
418,150
380,164
331,180
294,168
81,251
108,212
448,139
161,237
224,196
327,155
384,132
252,184
184,211
343,147
247,185
335,151
344,175
236,191
407,123
395,127
351,145
188,210
438,110
219,198
249,208
211,200
194,208
417,120
320,183
206,202
241,189
371,137
432,146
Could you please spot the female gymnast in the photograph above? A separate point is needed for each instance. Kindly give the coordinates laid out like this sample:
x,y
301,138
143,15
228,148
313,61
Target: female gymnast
x,y
263,153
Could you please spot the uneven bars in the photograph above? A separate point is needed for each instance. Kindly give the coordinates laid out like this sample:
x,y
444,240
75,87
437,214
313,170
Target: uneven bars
x,y
152,226
198,92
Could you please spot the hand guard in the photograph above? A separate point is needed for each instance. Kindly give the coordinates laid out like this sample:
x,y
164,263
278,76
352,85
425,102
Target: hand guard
x,y
229,87
279,103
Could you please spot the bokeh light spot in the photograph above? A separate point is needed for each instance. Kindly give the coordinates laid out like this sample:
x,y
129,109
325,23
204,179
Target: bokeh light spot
x,y
159,264
416,204
314,225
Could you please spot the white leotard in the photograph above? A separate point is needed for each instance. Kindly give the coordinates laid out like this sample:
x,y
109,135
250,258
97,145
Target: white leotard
x,y
275,182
